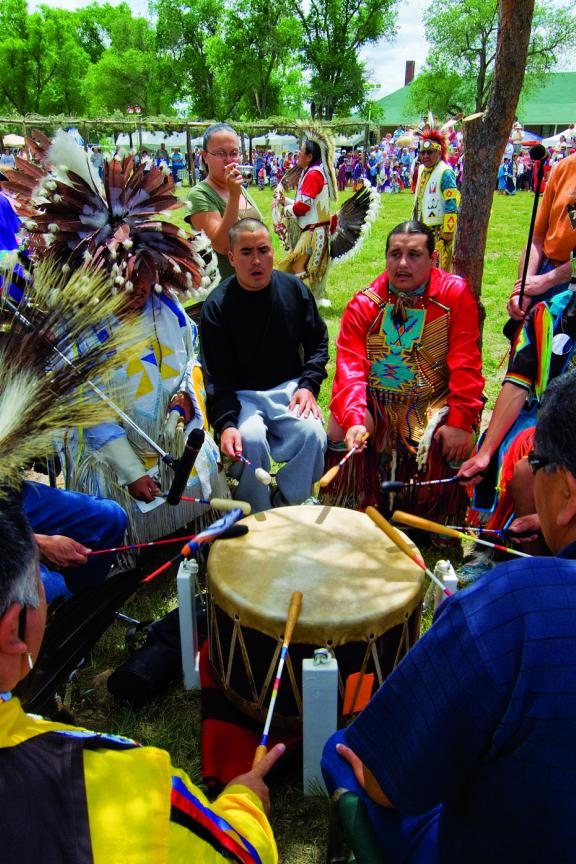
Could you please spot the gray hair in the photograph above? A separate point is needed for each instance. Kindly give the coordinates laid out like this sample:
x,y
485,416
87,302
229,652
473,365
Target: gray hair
x,y
555,436
250,225
18,559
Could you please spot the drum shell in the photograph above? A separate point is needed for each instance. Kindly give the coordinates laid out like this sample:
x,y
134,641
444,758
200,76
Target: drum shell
x,y
367,605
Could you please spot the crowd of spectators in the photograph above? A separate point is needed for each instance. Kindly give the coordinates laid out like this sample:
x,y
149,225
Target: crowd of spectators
x,y
391,166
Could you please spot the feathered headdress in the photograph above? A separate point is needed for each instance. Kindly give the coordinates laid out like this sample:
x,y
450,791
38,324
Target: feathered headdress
x,y
433,139
111,224
435,135
43,375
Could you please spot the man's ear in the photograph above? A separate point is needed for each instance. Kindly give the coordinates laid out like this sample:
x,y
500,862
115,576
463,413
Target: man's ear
x,y
231,257
10,642
567,511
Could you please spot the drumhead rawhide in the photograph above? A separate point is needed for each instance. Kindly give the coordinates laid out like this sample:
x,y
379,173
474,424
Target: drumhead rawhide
x,y
356,583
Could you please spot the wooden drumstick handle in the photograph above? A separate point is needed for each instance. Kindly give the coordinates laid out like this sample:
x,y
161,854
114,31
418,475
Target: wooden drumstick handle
x,y
329,476
393,534
293,613
425,524
401,543
259,754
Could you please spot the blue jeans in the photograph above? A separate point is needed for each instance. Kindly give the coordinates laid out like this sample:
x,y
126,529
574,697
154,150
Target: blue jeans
x,y
95,522
270,431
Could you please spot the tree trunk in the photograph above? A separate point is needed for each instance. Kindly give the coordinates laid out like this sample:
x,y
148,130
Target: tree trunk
x,y
487,136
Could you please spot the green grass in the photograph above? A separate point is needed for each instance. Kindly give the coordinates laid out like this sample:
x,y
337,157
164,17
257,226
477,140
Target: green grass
x,y
174,722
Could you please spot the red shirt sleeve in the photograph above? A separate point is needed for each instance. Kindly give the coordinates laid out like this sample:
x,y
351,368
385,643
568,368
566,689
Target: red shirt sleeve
x,y
312,185
348,404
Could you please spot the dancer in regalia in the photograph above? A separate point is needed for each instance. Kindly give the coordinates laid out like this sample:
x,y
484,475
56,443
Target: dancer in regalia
x,y
113,225
312,237
436,198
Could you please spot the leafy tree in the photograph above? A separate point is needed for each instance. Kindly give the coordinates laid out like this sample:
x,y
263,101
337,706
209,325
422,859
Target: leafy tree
x,y
232,60
463,35
128,70
256,49
16,65
41,60
334,31
188,34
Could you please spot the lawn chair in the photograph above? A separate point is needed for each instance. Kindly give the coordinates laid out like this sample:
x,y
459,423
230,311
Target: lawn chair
x,y
351,836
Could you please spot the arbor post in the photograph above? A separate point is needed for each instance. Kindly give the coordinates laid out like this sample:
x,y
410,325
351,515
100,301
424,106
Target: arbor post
x,y
190,158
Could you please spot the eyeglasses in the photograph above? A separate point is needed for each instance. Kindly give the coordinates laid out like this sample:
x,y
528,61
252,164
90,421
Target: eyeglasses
x,y
22,615
536,462
221,154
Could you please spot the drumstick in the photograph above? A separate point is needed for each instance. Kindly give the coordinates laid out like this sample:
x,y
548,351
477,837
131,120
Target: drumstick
x,y
401,543
506,532
207,535
223,504
329,476
293,613
398,485
437,528
158,542
261,475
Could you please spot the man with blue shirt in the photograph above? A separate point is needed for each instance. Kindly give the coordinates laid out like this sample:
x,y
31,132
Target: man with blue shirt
x,y
467,752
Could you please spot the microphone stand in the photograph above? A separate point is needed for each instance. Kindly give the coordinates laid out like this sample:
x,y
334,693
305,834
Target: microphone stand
x,y
537,154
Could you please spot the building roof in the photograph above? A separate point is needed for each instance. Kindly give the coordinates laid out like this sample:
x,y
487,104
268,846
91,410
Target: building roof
x,y
394,108
551,104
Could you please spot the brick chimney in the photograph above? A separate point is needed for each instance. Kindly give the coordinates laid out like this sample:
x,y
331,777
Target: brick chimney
x,y
410,68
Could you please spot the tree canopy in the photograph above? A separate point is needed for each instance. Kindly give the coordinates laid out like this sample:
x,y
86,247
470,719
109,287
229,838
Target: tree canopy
x,y
458,73
214,59
334,31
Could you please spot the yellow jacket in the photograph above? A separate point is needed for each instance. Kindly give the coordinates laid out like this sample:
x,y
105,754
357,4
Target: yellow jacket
x,y
139,808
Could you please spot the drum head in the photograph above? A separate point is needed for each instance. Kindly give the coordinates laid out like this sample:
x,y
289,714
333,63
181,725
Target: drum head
x,y
356,583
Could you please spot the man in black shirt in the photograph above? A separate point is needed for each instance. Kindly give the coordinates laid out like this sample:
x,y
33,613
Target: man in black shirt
x,y
264,355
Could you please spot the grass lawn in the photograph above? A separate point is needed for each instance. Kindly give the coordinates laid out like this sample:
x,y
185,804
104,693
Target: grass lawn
x,y
173,723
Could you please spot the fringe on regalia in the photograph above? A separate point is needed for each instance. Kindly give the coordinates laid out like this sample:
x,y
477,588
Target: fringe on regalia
x,y
357,484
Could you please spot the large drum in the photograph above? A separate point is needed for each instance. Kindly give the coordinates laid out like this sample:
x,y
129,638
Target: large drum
x,y
362,598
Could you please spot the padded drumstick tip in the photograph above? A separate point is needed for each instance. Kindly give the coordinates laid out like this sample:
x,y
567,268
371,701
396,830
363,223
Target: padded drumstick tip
x,y
263,476
392,486
226,504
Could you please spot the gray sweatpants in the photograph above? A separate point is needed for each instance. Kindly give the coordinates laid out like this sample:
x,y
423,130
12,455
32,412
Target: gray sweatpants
x,y
268,430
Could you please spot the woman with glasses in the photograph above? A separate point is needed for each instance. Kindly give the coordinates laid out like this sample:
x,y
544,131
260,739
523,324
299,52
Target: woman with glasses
x,y
221,200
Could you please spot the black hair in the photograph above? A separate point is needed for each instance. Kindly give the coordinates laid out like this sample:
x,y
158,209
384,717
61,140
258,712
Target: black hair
x,y
412,226
555,436
312,149
251,225
213,129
